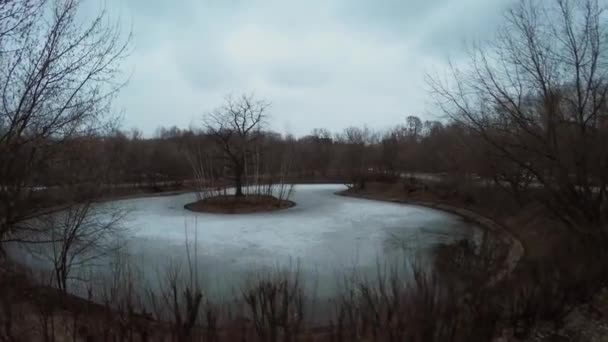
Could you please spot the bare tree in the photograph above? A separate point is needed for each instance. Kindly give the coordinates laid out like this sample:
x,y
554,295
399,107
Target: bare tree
x,y
537,96
58,77
276,305
414,127
236,127
14,20
355,141
76,238
321,140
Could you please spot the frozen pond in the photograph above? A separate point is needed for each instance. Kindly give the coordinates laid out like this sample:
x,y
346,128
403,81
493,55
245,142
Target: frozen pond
x,y
327,237
325,234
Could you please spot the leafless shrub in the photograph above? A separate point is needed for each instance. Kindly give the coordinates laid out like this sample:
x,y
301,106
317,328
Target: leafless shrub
x,y
206,183
285,190
74,239
395,308
122,296
276,306
473,262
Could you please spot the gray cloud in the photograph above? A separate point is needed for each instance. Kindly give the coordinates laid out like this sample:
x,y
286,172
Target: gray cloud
x,y
321,63
299,76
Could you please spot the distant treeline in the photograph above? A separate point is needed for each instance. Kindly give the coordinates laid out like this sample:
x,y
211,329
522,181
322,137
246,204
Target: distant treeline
x,y
128,157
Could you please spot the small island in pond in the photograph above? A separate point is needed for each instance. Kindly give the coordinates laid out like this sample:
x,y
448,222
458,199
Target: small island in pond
x,y
242,173
239,205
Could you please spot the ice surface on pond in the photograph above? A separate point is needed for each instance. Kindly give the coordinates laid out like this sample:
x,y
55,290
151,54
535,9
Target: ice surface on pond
x,y
324,234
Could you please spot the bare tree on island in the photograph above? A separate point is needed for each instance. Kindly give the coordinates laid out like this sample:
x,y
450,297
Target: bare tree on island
x,y
58,76
257,163
236,127
537,95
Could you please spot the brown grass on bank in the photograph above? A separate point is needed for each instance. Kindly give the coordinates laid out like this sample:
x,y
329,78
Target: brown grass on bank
x,y
229,204
559,271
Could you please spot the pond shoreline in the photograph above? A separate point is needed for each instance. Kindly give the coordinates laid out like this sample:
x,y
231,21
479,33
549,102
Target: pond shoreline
x,y
79,304
516,248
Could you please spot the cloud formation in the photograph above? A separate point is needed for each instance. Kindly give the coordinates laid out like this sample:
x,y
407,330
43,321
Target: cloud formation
x,y
321,63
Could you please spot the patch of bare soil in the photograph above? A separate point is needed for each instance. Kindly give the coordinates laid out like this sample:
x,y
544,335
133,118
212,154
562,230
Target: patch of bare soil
x,y
239,204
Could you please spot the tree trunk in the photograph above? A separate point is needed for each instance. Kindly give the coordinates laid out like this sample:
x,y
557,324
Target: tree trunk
x,y
238,180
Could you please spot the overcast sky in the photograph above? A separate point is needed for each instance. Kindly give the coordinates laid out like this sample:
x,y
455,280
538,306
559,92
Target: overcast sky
x,y
320,63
